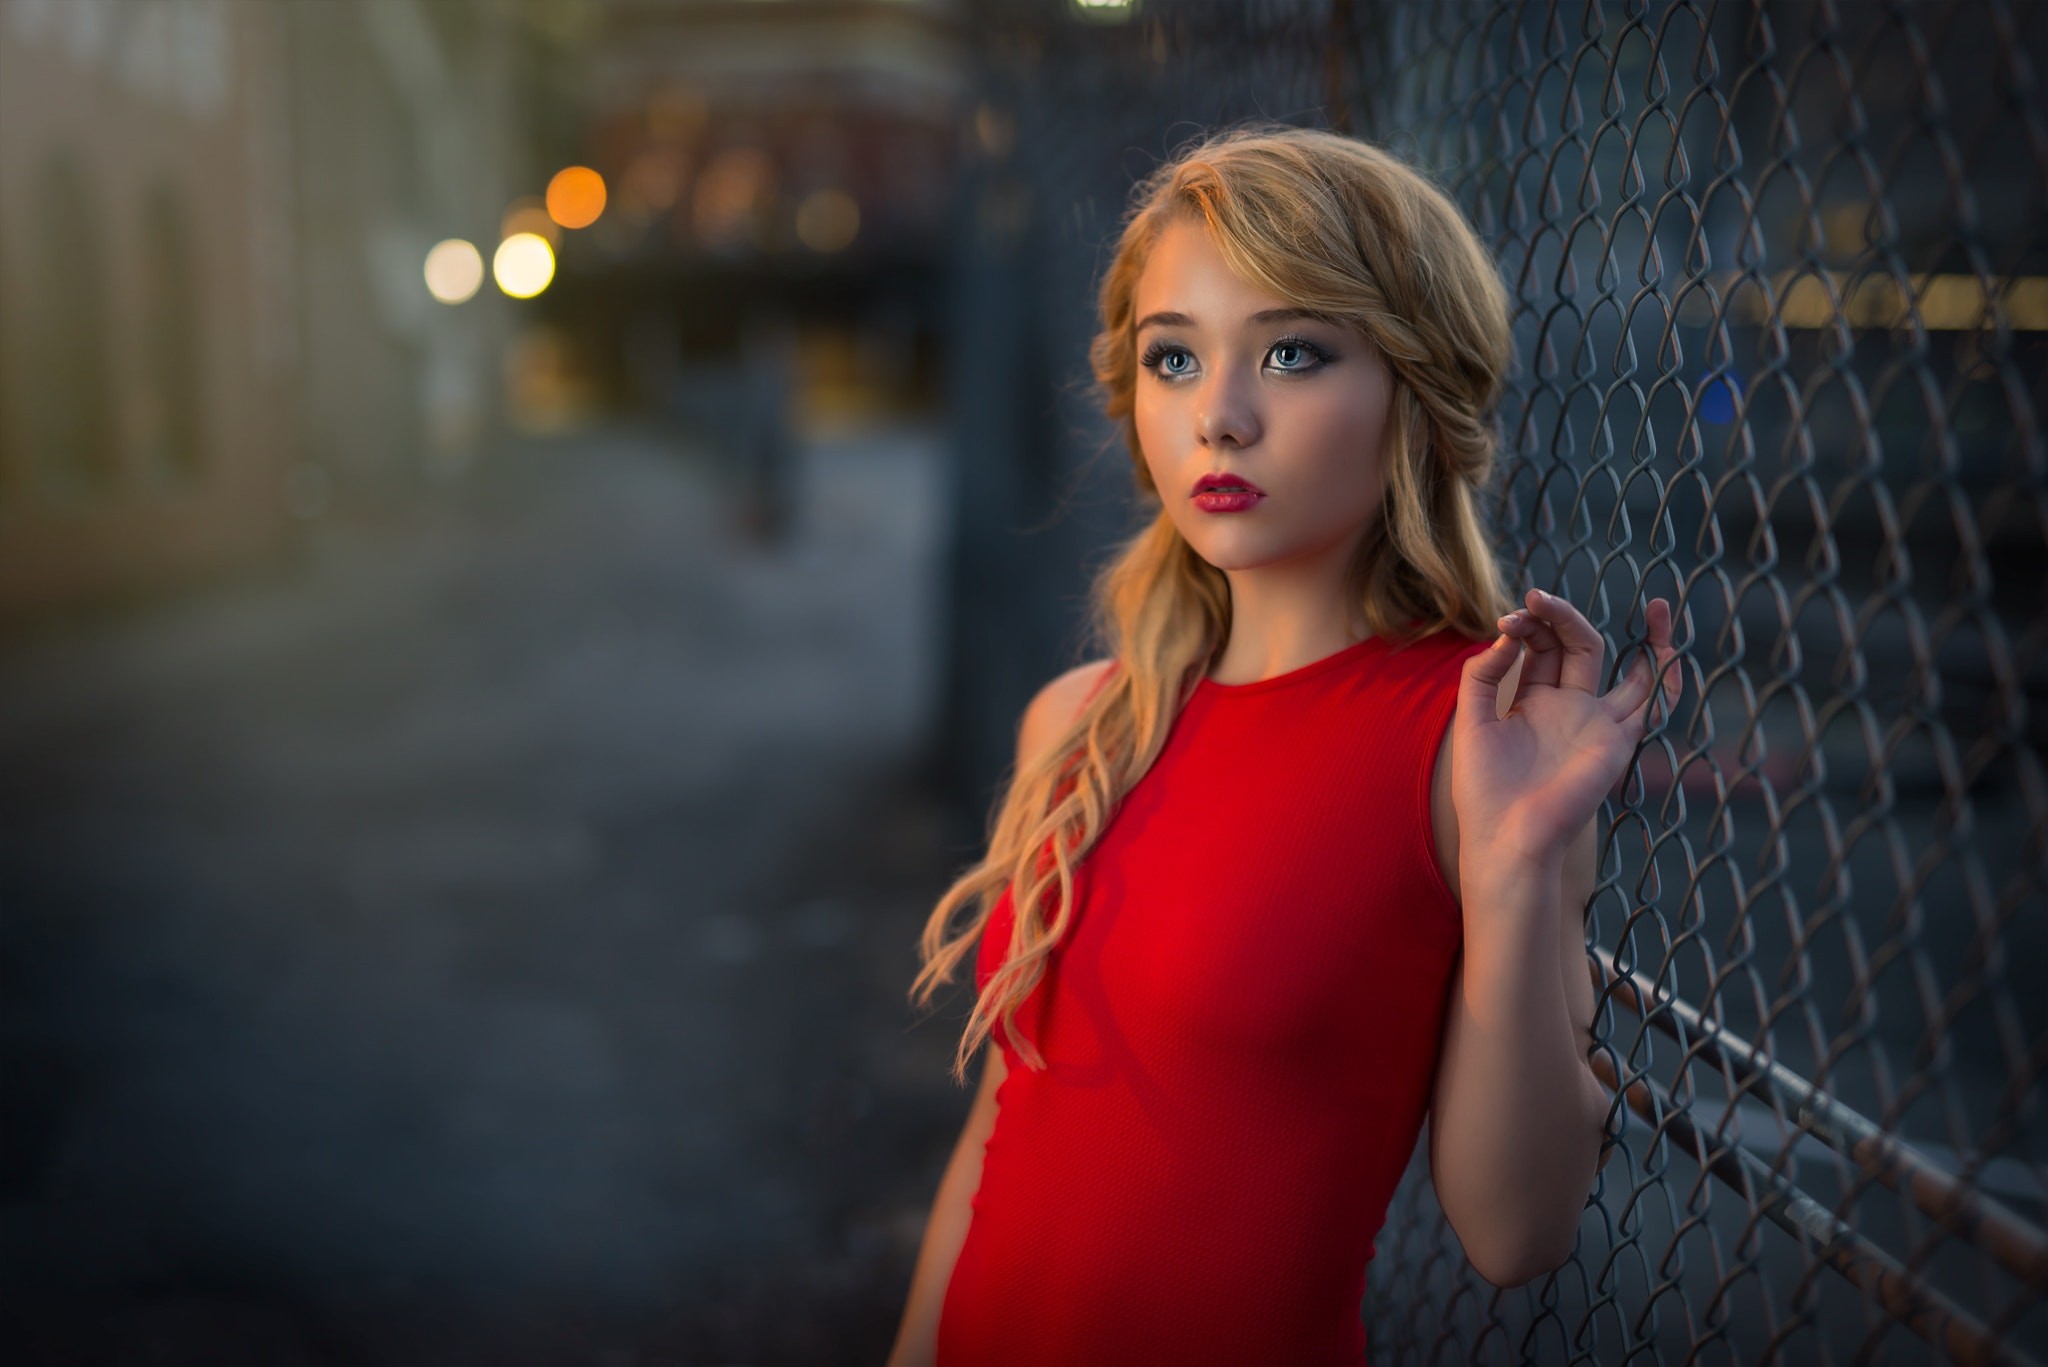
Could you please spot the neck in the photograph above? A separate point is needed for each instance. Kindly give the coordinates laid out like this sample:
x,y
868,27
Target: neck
x,y
1288,613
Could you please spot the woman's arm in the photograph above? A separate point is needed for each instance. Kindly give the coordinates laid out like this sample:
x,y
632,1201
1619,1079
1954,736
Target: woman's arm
x,y
946,1229
1046,717
1517,1116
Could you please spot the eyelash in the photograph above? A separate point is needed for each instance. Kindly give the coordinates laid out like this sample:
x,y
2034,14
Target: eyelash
x,y
1158,352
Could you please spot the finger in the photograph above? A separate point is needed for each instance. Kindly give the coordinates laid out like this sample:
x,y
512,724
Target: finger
x,y
1628,703
1583,646
1479,688
1660,636
1624,703
1671,671
1543,650
1658,616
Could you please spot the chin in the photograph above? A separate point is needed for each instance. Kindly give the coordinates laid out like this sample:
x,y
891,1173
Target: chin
x,y
1248,548
1236,557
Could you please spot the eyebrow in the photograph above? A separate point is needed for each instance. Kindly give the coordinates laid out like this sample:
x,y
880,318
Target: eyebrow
x,y
1166,318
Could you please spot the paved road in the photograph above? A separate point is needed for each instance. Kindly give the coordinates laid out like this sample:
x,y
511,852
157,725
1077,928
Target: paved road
x,y
484,938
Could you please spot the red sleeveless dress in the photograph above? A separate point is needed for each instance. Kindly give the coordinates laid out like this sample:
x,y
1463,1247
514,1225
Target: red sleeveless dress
x,y
1242,1028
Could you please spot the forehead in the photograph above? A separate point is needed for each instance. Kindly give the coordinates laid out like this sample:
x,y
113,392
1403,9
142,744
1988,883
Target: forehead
x,y
1184,268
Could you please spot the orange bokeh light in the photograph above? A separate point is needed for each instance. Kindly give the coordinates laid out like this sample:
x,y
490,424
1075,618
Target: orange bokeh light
x,y
576,197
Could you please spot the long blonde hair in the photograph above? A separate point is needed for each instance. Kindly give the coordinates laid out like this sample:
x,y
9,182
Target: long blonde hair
x,y
1341,227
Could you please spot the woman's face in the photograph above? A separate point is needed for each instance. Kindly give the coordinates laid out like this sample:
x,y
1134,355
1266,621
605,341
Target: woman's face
x,y
1232,380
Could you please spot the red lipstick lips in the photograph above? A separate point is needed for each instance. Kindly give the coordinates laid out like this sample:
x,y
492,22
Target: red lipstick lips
x,y
1221,493
1215,480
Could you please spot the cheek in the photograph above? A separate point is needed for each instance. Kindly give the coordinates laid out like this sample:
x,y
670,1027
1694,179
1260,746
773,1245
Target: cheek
x,y
1155,430
1340,434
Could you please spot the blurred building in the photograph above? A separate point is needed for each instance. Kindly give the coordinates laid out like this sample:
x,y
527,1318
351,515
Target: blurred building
x,y
777,170
146,341
213,219
411,123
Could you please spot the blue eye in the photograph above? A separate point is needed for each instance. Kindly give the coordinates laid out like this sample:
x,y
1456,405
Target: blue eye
x,y
1291,356
1158,352
1310,356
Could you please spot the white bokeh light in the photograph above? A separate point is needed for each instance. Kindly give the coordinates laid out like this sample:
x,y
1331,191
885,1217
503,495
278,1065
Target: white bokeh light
x,y
523,265
455,270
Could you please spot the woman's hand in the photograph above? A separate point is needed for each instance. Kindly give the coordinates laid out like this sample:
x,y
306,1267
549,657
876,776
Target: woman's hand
x,y
1525,783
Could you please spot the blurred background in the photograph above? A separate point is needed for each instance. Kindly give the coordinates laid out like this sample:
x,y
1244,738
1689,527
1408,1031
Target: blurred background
x,y
526,527
473,510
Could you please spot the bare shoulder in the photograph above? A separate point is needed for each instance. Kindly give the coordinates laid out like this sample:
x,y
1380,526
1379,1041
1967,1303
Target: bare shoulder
x,y
1054,708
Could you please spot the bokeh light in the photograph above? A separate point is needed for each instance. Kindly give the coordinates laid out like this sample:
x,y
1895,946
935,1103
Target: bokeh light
x,y
730,194
455,270
523,265
576,197
529,215
655,180
1719,399
827,220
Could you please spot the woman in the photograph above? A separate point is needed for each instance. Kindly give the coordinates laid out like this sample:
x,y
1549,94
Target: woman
x,y
1289,877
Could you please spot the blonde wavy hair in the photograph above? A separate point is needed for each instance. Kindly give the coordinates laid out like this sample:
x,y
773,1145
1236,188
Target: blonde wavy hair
x,y
1332,224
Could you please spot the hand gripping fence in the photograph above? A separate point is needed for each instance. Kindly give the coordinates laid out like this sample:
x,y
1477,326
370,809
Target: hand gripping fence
x,y
1779,276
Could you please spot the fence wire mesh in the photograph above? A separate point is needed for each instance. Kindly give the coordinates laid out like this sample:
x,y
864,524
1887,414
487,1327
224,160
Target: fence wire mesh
x,y
1780,284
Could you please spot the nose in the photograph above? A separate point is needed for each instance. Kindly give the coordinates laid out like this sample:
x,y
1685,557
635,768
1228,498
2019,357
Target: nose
x,y
1225,415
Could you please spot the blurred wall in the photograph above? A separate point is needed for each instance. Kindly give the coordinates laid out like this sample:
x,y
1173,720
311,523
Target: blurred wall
x,y
213,221
408,122
145,338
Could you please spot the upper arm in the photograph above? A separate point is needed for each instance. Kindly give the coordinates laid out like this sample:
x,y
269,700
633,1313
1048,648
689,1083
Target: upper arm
x,y
981,1115
1053,709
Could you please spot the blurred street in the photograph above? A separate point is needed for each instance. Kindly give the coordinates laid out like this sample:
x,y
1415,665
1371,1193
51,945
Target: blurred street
x,y
484,937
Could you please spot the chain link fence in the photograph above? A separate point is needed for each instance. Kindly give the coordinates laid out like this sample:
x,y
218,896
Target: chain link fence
x,y
1780,283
